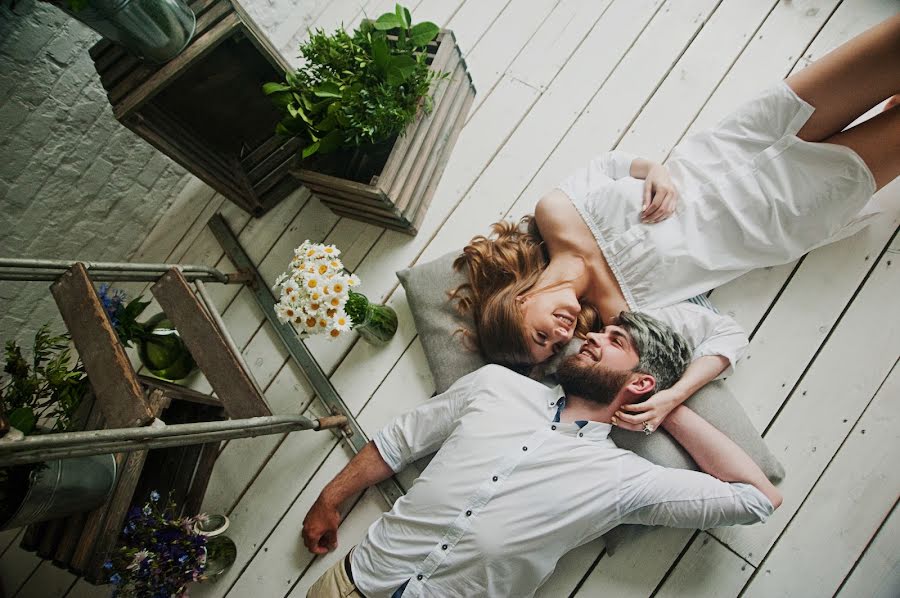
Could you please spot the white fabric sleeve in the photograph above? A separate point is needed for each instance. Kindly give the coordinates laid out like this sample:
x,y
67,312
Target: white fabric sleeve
x,y
422,431
708,332
601,170
655,495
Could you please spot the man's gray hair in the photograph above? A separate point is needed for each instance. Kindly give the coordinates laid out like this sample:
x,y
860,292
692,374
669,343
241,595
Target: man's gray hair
x,y
663,353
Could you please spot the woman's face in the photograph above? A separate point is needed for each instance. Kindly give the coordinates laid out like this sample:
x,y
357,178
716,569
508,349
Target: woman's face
x,y
549,318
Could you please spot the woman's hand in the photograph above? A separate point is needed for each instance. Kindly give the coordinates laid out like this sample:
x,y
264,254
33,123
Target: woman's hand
x,y
652,411
660,195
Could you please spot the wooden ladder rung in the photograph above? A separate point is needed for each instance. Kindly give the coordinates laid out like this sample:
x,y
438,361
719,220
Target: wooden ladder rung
x,y
222,368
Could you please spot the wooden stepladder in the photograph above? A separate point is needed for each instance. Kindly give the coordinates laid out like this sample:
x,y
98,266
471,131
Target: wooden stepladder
x,y
165,437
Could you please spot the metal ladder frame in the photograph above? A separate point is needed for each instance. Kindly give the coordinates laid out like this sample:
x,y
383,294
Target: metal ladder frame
x,y
69,444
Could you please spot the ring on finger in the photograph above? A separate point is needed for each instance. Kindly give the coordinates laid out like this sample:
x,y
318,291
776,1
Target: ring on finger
x,y
648,428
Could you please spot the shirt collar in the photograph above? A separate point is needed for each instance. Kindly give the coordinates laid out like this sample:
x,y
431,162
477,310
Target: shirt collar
x,y
589,429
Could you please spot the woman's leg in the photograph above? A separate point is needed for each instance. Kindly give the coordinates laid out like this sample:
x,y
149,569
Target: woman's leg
x,y
850,80
877,141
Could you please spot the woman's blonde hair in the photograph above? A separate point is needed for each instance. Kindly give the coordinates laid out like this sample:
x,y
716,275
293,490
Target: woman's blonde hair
x,y
503,267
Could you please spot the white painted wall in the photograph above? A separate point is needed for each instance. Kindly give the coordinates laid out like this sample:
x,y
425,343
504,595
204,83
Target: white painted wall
x,y
74,183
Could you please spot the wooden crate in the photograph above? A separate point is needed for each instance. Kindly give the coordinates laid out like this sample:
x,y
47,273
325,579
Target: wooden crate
x,y
205,109
398,196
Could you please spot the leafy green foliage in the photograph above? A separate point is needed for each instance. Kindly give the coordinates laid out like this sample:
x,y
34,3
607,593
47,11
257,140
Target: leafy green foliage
x,y
357,89
49,388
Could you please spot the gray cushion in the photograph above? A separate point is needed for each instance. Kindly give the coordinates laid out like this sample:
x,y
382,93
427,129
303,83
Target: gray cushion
x,y
437,322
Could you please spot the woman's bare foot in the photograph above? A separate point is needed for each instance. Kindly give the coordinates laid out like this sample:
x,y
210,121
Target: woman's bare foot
x,y
892,101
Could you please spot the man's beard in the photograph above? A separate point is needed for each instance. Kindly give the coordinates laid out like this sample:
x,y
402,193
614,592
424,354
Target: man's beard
x,y
592,381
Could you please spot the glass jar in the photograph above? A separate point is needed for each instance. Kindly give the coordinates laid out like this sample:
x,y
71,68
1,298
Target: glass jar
x,y
162,351
379,325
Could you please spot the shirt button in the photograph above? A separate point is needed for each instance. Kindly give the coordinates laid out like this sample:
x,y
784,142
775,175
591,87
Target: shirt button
x,y
552,403
468,513
443,547
552,427
419,576
581,433
524,448
495,478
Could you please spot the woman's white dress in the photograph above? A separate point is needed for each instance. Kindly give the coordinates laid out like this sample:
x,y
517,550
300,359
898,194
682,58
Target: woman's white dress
x,y
752,194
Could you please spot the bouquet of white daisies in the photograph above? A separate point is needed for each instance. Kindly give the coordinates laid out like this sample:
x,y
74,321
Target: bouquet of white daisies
x,y
316,297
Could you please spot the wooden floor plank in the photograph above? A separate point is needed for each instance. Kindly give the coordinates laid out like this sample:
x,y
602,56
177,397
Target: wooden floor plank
x,y
845,508
48,581
707,570
877,573
825,405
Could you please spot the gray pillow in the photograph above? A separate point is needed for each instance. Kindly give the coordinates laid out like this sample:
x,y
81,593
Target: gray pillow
x,y
437,322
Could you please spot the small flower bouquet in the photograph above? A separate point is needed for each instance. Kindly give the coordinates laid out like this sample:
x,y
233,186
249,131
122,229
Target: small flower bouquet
x,y
316,297
159,554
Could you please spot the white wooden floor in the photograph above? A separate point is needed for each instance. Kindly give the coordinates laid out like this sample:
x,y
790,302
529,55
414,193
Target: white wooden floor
x,y
559,80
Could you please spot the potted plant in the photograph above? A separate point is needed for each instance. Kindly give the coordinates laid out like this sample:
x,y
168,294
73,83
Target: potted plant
x,y
159,553
42,396
154,30
377,111
159,345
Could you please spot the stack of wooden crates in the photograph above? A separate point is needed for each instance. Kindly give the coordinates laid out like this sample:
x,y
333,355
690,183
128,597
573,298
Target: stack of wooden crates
x,y
205,110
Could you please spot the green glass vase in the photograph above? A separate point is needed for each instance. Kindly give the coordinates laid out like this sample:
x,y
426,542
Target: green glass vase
x,y
162,351
379,324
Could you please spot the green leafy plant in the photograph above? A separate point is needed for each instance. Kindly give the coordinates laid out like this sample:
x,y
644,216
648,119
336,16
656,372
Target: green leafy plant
x,y
357,89
47,389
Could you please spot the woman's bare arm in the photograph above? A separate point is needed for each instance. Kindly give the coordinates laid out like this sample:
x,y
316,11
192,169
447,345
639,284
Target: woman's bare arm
x,y
716,454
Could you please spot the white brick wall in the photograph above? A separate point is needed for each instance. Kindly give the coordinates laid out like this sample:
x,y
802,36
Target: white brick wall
x,y
74,183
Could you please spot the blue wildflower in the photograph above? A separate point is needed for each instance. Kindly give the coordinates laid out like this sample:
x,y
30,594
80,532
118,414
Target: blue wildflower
x,y
154,496
147,510
107,565
115,578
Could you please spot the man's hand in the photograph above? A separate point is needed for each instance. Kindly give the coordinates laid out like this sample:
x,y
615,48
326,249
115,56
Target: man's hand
x,y
652,411
660,195
320,527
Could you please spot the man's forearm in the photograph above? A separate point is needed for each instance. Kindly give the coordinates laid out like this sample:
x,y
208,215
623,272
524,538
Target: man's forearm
x,y
715,453
366,469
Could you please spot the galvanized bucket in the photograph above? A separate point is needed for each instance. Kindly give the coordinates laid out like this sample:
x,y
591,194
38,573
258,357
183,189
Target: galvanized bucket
x,y
65,486
155,30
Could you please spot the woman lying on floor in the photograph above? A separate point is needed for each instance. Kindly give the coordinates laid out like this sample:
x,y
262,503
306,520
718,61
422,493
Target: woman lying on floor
x,y
777,178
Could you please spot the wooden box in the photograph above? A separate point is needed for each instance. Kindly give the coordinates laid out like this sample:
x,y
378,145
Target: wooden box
x,y
205,108
398,195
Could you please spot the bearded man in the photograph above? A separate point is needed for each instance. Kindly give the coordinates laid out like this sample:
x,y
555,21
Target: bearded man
x,y
524,473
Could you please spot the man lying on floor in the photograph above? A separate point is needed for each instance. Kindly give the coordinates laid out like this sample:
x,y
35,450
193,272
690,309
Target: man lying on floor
x,y
524,473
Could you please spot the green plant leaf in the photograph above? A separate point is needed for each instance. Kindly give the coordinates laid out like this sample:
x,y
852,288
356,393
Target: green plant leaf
x,y
408,17
293,80
388,21
332,141
328,89
402,16
422,33
270,88
309,150
381,54
282,99
23,419
401,68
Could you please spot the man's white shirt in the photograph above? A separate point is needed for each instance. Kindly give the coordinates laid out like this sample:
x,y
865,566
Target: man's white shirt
x,y
510,491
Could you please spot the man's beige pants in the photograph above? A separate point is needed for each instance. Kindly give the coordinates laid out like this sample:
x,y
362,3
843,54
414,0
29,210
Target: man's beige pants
x,y
334,583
